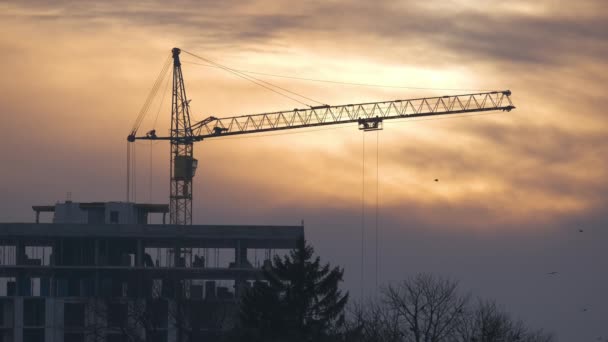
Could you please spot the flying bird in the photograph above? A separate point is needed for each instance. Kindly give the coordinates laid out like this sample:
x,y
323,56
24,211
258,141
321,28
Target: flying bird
x,y
552,273
580,230
436,180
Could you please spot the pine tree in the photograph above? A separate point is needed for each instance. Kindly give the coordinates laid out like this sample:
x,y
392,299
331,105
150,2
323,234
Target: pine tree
x,y
299,300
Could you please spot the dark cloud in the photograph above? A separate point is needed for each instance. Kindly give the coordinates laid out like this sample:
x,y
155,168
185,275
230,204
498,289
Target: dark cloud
x,y
509,37
409,31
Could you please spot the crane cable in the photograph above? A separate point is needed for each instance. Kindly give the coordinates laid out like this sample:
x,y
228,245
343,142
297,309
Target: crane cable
x,y
258,81
160,105
255,80
377,205
164,95
362,213
131,149
131,172
152,94
150,175
134,170
342,82
376,242
128,171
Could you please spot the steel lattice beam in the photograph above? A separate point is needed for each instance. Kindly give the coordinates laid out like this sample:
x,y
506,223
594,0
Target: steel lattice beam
x,y
359,113
180,204
353,113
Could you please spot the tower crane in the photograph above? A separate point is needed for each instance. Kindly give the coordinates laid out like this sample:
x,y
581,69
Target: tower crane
x,y
369,116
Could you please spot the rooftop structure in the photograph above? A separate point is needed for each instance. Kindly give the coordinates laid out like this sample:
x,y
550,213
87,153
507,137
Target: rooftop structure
x,y
101,212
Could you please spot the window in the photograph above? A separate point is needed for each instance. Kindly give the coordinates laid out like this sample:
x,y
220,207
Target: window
x,y
113,216
73,287
8,255
116,338
158,311
117,314
156,336
33,335
6,335
73,315
33,312
6,315
73,337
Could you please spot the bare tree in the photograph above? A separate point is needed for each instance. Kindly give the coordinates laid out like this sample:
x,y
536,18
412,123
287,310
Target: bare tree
x,y
429,307
487,323
370,323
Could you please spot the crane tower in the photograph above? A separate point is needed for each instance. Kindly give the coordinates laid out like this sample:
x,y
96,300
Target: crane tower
x,y
183,164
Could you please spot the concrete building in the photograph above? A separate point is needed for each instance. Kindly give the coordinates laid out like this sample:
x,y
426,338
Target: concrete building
x,y
99,273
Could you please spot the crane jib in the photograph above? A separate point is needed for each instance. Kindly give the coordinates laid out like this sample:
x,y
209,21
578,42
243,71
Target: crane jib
x,y
368,116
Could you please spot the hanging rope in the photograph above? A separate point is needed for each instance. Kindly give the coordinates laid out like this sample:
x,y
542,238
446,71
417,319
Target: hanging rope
x,y
131,172
150,175
134,171
128,171
362,212
377,180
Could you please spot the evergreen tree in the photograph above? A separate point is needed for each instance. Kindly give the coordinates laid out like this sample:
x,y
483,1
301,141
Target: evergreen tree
x,y
299,300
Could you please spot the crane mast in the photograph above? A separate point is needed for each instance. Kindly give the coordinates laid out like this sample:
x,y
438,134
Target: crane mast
x,y
368,116
183,164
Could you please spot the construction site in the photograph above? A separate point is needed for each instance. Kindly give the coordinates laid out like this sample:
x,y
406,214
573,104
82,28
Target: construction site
x,y
101,271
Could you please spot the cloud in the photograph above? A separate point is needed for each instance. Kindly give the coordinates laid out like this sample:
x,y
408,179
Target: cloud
x,y
407,29
534,149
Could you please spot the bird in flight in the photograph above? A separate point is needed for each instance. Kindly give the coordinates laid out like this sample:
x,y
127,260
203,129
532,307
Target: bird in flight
x,y
580,230
436,180
552,273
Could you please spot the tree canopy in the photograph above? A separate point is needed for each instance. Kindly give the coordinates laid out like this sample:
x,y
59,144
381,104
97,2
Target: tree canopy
x,y
298,300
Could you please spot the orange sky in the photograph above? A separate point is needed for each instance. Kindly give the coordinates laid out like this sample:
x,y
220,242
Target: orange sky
x,y
75,75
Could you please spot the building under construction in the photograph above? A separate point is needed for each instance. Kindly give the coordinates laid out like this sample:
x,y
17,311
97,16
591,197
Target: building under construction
x,y
99,272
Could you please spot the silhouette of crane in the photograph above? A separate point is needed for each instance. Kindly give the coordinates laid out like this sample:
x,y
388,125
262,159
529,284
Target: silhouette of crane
x,y
369,116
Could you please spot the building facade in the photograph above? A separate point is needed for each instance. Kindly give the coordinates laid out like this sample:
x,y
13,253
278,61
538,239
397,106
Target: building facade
x,y
95,280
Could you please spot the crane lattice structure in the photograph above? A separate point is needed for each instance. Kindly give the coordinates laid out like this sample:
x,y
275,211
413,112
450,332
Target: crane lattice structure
x,y
369,116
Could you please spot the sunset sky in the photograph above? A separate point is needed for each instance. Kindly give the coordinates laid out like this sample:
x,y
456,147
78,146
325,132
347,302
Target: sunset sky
x,y
514,188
